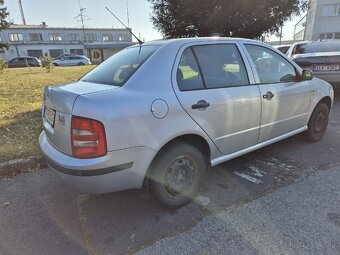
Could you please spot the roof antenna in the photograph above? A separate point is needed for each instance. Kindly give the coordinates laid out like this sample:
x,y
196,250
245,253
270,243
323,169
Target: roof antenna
x,y
139,41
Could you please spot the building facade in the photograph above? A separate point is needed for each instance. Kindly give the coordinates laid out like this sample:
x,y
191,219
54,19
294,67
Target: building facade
x,y
40,40
323,20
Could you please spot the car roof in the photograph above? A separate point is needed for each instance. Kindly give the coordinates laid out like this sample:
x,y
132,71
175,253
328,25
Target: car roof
x,y
196,39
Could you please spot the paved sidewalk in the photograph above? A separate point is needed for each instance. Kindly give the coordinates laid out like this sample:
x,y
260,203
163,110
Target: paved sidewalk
x,y
302,218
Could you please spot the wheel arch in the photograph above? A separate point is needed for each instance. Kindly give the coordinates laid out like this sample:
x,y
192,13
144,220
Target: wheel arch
x,y
193,139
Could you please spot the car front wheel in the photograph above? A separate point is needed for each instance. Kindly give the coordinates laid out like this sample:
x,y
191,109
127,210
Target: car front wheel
x,y
318,123
176,174
81,64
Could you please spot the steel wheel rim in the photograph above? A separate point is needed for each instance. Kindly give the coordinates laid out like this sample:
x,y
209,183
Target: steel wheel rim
x,y
319,122
179,177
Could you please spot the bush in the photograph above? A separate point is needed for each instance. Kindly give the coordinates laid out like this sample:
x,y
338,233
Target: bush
x,y
46,62
3,65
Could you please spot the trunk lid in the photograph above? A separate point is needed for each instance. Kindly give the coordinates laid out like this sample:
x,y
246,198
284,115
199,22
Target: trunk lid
x,y
323,62
57,110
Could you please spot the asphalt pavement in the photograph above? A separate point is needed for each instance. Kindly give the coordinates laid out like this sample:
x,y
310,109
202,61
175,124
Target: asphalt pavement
x,y
282,199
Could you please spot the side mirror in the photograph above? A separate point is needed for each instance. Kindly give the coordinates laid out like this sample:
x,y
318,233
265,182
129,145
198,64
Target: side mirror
x,y
307,75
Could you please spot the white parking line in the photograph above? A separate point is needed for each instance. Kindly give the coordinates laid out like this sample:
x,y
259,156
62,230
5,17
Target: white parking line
x,y
256,171
248,178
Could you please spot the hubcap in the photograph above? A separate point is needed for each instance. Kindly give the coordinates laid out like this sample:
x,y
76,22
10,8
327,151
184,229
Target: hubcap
x,y
179,176
319,122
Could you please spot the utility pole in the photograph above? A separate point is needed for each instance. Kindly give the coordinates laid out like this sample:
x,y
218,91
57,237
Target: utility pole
x,y
22,13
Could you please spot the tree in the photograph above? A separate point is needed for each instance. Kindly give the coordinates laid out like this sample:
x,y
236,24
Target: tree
x,y
237,18
3,23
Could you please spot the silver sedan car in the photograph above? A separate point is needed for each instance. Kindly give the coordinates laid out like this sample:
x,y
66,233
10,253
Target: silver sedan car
x,y
72,60
159,115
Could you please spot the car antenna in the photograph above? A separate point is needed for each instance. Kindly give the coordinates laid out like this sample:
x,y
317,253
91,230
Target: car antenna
x,y
139,40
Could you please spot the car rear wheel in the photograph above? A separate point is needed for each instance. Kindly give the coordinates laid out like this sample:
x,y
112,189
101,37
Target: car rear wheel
x,y
81,64
55,64
318,123
176,174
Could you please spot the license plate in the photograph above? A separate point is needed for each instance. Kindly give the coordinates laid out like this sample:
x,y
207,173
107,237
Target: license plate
x,y
326,68
49,115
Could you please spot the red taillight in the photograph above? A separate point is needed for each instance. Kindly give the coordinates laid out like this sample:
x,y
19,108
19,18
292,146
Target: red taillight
x,y
88,138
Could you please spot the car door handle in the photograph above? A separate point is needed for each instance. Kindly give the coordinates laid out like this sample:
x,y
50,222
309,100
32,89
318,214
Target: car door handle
x,y
200,104
269,95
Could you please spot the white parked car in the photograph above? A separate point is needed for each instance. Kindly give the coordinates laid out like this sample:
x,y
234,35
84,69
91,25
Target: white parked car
x,y
75,60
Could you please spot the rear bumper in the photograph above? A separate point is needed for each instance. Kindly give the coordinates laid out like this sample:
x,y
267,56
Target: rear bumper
x,y
118,170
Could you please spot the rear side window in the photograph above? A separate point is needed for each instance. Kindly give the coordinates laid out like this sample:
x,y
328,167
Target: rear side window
x,y
120,67
188,74
270,66
315,47
222,65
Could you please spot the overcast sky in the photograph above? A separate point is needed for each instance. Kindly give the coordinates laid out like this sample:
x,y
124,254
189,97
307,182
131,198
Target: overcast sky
x,y
61,13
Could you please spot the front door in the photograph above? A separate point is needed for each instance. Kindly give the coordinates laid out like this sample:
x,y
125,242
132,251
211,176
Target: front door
x,y
213,87
285,100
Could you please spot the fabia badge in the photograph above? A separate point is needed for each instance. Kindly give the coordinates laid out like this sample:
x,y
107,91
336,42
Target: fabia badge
x,y
61,120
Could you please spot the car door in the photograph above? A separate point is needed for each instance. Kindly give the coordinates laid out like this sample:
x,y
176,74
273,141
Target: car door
x,y
212,84
285,99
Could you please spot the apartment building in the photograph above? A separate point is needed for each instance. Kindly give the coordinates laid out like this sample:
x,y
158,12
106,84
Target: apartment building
x,y
323,20
40,40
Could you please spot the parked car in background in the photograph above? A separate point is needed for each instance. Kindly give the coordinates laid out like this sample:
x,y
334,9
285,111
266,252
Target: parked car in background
x,y
75,60
160,114
282,48
322,57
65,55
24,62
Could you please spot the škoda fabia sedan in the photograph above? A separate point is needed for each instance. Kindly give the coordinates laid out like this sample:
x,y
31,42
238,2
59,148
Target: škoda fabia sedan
x,y
160,114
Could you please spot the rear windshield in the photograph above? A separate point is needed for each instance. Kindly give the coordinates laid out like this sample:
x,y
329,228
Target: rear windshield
x,y
316,47
121,66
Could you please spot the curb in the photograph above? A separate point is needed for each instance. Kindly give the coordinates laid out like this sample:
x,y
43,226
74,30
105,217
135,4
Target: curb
x,y
15,167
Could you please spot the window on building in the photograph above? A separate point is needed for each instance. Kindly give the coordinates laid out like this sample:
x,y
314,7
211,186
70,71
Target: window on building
x,y
331,10
55,37
34,37
123,37
336,35
90,37
35,53
56,53
77,51
107,38
73,37
15,37
329,36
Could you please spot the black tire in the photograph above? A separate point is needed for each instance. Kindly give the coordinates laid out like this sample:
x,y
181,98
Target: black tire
x,y
176,174
81,64
55,64
318,123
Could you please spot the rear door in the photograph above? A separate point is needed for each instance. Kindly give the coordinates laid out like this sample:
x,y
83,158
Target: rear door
x,y
285,100
212,84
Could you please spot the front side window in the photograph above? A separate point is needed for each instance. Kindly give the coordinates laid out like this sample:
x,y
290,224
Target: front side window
x,y
55,37
121,66
270,66
221,65
188,74
15,37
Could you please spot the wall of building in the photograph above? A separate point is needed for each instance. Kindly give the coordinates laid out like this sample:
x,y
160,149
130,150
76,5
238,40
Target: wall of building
x,y
320,25
70,39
